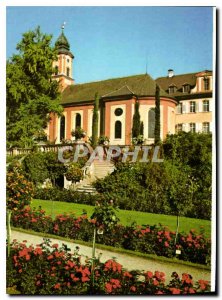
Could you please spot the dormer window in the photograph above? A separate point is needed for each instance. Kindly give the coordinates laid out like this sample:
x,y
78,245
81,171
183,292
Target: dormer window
x,y
206,83
186,88
172,89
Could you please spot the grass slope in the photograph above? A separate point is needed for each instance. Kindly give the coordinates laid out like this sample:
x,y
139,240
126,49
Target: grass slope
x,y
126,217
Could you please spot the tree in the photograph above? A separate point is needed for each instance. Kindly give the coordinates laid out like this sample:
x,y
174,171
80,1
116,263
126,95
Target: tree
x,y
31,93
157,116
95,121
136,121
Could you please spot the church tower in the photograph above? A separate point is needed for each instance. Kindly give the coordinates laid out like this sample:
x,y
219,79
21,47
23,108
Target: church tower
x,y
63,66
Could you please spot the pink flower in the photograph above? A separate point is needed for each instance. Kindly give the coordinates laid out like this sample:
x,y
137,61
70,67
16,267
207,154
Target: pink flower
x,y
166,244
133,288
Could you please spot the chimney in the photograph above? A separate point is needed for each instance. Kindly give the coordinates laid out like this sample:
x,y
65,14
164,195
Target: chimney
x,y
170,73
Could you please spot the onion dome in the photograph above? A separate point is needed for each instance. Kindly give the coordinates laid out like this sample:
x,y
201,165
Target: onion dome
x,y
62,45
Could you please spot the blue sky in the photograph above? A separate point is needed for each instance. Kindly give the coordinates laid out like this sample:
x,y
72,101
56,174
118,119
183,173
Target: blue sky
x,y
113,42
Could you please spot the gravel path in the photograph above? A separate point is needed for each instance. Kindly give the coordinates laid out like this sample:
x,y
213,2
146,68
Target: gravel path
x,y
129,262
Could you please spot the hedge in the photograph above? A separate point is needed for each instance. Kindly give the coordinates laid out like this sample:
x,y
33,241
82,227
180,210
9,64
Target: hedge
x,y
154,239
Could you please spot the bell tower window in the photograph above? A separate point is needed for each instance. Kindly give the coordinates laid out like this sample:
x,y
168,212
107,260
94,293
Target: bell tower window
x,y
67,72
118,130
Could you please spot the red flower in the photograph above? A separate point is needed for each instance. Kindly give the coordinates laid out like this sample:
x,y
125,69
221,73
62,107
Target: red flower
x,y
50,257
38,251
57,286
55,246
191,291
27,257
127,274
20,270
175,291
108,287
155,282
149,274
84,279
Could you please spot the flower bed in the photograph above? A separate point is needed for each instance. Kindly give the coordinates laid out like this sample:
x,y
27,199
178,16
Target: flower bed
x,y
49,270
155,239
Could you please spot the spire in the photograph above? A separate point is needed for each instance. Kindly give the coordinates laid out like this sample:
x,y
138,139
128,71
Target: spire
x,y
62,42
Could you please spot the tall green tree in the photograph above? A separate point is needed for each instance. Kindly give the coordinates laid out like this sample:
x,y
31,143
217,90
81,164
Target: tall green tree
x,y
95,121
136,122
31,93
157,116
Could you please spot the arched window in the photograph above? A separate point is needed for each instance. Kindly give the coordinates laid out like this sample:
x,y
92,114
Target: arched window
x,y
56,70
78,120
67,72
62,128
151,123
118,130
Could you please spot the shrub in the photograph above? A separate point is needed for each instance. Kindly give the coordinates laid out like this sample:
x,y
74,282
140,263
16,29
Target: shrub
x,y
64,195
165,188
74,173
52,270
18,189
154,239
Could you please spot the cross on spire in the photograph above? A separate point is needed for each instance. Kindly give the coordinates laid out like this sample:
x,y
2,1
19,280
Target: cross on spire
x,y
63,25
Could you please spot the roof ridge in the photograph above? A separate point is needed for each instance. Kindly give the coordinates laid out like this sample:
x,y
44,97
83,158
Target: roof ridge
x,y
112,79
118,90
183,74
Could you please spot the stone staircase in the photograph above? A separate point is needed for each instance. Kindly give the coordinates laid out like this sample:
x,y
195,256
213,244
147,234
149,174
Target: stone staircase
x,y
101,169
98,170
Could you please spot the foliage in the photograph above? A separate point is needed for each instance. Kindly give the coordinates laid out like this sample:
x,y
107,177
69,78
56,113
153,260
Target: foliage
x,y
138,140
19,190
35,167
40,166
78,133
152,187
55,168
64,195
31,93
137,129
104,216
103,140
74,173
95,121
48,269
155,239
157,116
194,150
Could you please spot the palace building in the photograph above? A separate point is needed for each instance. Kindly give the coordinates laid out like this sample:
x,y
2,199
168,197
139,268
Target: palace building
x,y
194,93
185,103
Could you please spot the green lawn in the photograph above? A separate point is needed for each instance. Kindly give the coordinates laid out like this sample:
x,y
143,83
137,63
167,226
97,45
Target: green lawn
x,y
126,216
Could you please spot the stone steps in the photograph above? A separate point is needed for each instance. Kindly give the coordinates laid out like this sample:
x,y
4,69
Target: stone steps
x,y
100,169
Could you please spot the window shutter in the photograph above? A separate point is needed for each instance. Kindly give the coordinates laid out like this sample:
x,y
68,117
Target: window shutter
x,y
196,106
210,104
